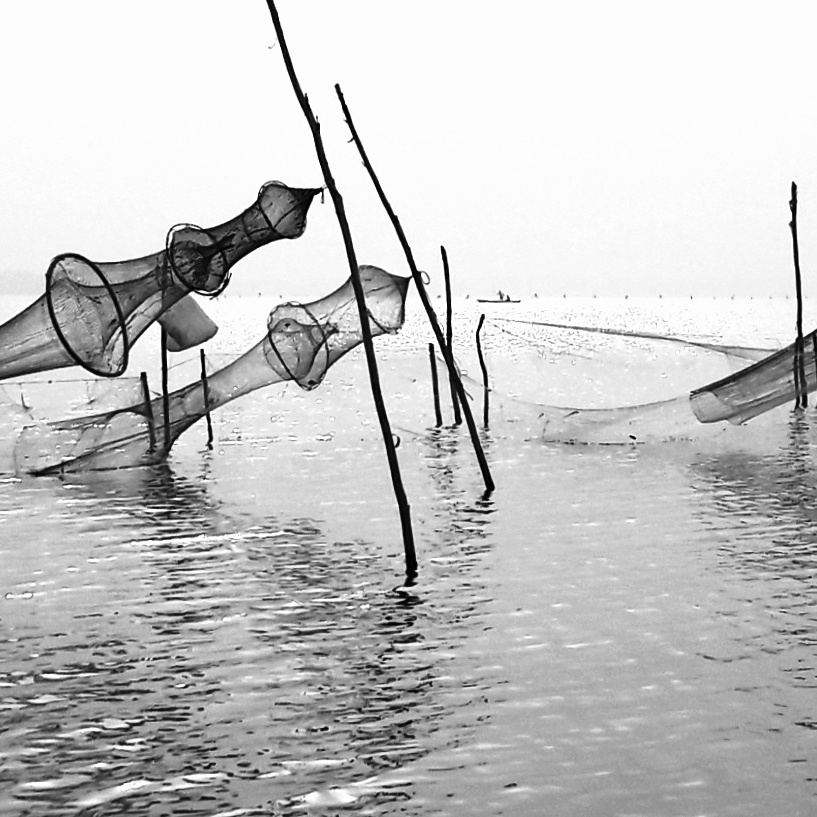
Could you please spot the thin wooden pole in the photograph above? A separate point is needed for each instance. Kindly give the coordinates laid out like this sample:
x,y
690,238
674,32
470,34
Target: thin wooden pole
x,y
148,410
449,337
360,297
205,385
432,359
485,389
421,291
165,394
800,385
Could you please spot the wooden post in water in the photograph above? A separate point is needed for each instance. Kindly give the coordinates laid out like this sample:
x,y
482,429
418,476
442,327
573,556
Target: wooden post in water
x,y
148,411
435,385
800,385
360,297
421,291
165,394
206,390
449,337
485,389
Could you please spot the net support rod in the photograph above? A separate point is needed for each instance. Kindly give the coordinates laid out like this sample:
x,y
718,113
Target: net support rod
x,y
165,394
371,360
205,387
421,291
485,389
800,385
148,411
449,336
435,385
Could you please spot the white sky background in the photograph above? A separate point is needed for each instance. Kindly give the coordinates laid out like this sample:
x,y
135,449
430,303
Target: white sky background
x,y
605,148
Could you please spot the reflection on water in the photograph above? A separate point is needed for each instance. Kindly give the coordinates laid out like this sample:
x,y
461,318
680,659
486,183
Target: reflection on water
x,y
612,631
763,525
158,660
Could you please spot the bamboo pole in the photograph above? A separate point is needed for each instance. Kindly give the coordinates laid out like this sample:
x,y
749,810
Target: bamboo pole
x,y
485,388
148,410
435,385
421,291
205,386
371,360
449,337
800,385
165,394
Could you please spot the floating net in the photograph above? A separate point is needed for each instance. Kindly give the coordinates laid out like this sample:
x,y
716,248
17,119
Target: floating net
x,y
301,343
91,313
522,361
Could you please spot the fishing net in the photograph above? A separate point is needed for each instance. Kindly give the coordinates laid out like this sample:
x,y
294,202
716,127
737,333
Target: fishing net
x,y
91,313
535,377
301,343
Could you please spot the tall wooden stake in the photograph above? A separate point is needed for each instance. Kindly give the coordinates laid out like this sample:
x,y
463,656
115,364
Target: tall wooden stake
x,y
800,385
435,385
165,394
205,385
360,297
421,291
485,389
449,337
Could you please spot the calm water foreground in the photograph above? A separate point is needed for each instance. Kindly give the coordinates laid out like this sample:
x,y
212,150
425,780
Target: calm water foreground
x,y
614,631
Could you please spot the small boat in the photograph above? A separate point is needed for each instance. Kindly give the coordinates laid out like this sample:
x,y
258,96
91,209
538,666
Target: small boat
x,y
501,298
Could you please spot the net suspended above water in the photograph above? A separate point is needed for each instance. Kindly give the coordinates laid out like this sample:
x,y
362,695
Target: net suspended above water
x,y
91,313
301,343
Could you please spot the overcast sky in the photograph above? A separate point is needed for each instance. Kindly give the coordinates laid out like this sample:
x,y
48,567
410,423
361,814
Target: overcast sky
x,y
552,147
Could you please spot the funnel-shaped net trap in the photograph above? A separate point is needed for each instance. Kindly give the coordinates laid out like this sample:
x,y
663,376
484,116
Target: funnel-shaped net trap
x,y
91,313
301,343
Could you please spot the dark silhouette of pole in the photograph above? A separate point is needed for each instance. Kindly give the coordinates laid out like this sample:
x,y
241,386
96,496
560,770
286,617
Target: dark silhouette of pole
x,y
165,393
421,291
205,387
371,360
435,385
485,389
449,337
800,385
148,410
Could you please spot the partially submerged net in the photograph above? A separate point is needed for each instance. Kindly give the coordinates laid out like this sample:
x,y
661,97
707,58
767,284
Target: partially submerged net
x,y
301,343
692,414
758,388
91,313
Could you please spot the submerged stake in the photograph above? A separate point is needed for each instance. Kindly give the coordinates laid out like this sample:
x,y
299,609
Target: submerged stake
x,y
148,411
432,359
371,360
421,291
165,394
485,389
800,384
205,386
449,337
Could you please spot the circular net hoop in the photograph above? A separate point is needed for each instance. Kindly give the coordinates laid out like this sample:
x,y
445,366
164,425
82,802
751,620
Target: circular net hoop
x,y
297,345
197,260
86,315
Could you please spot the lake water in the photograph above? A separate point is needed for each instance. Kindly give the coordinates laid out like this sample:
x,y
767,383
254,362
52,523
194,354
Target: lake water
x,y
616,630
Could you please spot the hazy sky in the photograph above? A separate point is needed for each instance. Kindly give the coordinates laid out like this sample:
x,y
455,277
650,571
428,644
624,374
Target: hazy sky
x,y
552,147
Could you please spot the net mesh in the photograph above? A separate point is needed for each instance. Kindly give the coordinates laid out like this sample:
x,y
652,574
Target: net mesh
x,y
91,313
301,343
552,383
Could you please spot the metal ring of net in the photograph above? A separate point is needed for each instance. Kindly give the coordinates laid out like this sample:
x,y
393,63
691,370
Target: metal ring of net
x,y
296,337
197,259
86,315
